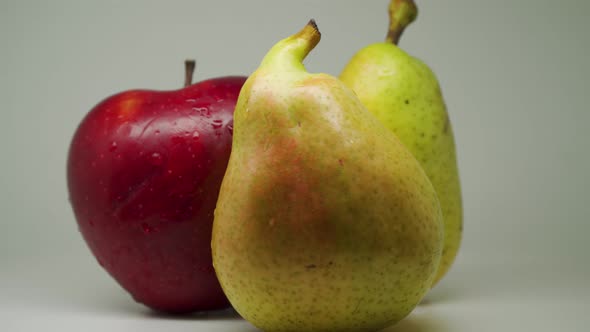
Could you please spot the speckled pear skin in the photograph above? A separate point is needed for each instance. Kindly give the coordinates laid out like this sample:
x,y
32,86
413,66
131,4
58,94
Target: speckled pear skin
x,y
325,221
404,94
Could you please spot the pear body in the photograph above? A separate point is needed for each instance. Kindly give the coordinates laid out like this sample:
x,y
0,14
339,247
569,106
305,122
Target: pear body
x,y
404,94
325,221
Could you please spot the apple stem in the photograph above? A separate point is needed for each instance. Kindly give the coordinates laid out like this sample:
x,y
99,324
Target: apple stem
x,y
189,69
401,14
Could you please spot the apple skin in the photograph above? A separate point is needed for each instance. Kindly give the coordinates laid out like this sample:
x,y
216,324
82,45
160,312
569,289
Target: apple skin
x,y
144,171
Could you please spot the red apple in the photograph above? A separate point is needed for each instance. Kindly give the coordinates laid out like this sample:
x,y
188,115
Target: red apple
x,y
144,171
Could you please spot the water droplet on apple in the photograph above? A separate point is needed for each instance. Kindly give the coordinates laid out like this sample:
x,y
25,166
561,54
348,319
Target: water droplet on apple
x,y
113,146
156,159
230,127
217,123
201,110
146,228
191,100
157,132
196,135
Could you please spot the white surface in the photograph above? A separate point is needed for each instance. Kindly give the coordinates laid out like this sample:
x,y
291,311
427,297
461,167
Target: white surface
x,y
74,295
515,77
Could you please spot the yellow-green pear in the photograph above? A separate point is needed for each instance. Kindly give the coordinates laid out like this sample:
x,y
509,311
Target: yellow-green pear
x,y
324,221
404,94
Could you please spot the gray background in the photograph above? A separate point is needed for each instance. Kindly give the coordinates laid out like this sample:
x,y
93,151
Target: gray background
x,y
514,75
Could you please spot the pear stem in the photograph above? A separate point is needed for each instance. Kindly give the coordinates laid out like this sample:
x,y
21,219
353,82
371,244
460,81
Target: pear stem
x,y
290,52
311,34
189,69
401,14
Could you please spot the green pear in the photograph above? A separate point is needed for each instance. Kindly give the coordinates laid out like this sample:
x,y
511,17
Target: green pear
x,y
404,94
324,221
